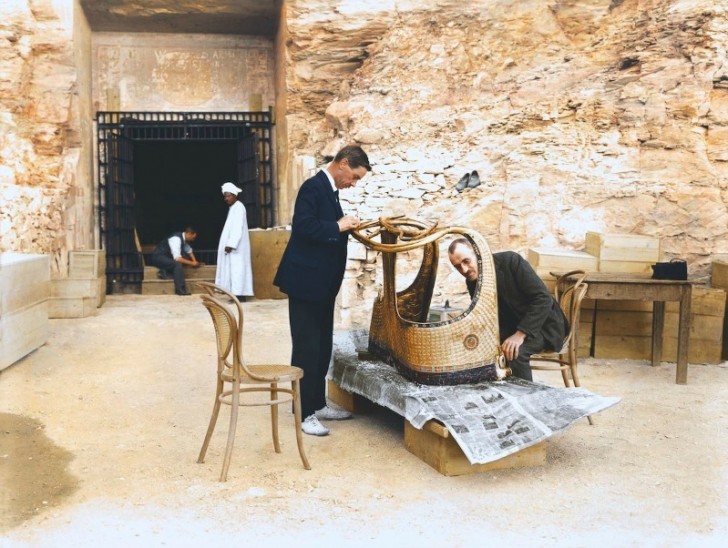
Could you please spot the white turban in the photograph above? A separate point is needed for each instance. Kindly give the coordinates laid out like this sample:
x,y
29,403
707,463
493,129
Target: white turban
x,y
231,188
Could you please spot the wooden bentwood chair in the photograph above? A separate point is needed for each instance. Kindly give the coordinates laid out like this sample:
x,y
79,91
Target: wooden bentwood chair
x,y
232,372
569,292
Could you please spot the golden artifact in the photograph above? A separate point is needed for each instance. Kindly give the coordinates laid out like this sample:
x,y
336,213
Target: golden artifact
x,y
461,350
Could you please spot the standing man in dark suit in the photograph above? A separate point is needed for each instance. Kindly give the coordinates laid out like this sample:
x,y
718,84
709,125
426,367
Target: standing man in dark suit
x,y
311,272
529,318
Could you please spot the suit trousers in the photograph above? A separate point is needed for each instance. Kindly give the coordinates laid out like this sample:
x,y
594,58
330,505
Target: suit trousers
x,y
521,366
170,267
312,335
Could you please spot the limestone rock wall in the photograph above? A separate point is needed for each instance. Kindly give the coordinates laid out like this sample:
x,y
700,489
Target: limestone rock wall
x,y
44,207
578,115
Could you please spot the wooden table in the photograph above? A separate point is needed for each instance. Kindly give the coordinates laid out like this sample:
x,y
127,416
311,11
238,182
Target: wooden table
x,y
633,287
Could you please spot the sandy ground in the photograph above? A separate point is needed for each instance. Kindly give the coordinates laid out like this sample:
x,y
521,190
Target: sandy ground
x,y
100,430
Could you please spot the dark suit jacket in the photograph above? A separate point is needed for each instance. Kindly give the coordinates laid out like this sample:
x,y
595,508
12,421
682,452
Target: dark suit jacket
x,y
313,264
524,302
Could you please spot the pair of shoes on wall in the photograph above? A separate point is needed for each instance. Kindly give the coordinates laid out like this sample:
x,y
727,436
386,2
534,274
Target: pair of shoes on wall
x,y
162,275
183,292
469,180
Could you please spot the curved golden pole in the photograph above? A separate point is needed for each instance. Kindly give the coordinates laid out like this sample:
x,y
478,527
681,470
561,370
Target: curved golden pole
x,y
413,233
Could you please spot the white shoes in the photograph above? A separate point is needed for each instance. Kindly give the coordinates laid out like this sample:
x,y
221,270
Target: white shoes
x,y
329,413
313,427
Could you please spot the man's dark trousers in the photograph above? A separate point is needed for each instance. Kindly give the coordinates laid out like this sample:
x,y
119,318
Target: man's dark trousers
x,y
521,366
168,265
312,330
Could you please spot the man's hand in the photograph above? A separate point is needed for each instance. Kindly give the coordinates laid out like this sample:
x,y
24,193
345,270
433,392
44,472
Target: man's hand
x,y
347,222
511,345
228,249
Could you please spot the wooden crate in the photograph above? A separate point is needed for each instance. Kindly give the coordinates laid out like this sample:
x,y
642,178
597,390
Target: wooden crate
x,y
434,445
707,326
623,329
719,274
545,260
719,279
628,253
266,248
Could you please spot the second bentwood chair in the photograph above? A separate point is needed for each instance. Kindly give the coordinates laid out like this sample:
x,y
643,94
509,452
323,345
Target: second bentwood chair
x,y
236,379
569,292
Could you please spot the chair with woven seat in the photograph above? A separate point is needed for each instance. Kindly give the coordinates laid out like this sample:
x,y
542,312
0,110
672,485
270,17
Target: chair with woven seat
x,y
569,291
232,372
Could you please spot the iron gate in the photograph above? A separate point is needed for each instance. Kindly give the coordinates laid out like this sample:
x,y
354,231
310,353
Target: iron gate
x,y
116,134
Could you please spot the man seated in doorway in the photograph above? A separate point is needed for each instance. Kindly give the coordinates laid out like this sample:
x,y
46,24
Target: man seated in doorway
x,y
173,252
529,318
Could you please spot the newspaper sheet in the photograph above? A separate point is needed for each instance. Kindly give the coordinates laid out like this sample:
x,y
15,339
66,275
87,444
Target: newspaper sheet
x,y
488,420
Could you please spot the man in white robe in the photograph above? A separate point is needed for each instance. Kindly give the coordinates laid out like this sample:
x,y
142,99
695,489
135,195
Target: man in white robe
x,y
234,270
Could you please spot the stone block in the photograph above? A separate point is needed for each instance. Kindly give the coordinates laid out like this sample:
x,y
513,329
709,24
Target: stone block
x,y
86,264
24,280
24,291
23,331
72,307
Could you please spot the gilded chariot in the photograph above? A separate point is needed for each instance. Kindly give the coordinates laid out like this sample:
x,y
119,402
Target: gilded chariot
x,y
461,350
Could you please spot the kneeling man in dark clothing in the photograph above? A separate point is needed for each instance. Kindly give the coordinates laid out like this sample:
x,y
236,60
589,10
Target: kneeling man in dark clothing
x,y
529,318
173,252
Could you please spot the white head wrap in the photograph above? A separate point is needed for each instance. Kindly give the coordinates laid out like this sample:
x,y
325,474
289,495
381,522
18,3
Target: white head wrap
x,y
231,188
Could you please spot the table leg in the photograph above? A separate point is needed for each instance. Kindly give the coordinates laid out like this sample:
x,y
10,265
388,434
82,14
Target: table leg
x,y
683,335
658,328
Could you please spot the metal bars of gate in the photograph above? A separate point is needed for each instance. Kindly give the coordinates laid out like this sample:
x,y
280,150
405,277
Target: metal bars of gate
x,y
116,133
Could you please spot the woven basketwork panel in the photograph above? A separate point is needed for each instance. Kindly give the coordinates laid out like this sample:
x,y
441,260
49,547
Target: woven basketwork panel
x,y
450,349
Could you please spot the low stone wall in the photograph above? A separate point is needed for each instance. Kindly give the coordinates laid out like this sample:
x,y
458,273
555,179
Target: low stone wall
x,y
24,291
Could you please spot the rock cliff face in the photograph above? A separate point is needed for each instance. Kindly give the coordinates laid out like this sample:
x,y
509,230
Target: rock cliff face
x,y
606,115
578,115
40,130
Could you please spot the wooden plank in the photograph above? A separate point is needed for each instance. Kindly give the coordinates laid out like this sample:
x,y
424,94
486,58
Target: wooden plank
x,y
702,328
354,403
613,322
561,259
706,301
700,351
442,452
623,306
622,347
633,267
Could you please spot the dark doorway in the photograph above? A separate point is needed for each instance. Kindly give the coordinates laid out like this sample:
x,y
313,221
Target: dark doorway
x,y
161,171
176,184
